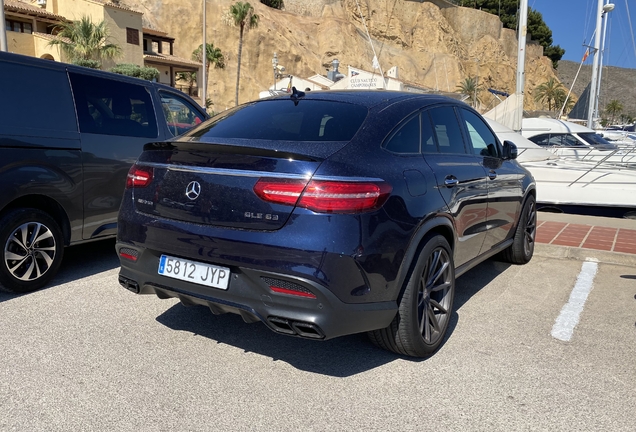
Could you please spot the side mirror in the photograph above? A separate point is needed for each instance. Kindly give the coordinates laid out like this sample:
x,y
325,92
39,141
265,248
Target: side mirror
x,y
510,150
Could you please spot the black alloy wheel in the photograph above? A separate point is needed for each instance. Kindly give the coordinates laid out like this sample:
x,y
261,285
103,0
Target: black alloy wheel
x,y
32,249
522,248
426,306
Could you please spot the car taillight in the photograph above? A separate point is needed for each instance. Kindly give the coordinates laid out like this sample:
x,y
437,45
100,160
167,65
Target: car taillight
x,y
325,196
138,176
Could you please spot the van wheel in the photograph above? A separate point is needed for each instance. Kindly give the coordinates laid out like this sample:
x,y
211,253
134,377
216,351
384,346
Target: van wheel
x,y
32,250
425,310
522,247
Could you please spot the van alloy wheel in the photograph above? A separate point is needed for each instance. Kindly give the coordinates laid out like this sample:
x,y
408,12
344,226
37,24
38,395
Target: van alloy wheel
x,y
32,250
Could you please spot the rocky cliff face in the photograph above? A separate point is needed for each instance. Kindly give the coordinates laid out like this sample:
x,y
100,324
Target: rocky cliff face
x,y
434,44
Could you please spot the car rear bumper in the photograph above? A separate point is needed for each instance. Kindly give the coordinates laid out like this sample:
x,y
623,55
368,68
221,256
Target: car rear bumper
x,y
249,295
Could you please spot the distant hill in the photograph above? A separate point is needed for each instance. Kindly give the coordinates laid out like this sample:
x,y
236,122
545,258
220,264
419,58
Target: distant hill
x,y
617,83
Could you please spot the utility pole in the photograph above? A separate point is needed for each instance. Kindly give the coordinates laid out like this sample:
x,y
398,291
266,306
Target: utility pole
x,y
521,63
4,46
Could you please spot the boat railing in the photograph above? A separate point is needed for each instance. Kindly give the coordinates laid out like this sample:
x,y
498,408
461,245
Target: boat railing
x,y
623,156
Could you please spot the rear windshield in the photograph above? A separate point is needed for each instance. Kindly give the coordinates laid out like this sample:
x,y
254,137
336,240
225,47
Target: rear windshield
x,y
282,120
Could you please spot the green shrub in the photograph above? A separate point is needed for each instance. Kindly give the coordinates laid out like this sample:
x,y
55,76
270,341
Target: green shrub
x,y
93,64
147,73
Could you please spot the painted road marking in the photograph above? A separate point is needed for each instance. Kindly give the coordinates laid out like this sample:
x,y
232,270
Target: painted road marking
x,y
569,317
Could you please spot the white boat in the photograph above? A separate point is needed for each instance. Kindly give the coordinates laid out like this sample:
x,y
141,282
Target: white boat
x,y
568,185
573,141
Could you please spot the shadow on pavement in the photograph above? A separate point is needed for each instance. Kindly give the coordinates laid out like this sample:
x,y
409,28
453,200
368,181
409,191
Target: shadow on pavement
x,y
340,357
79,262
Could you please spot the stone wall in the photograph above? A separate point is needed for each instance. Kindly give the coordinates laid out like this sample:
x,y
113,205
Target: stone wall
x,y
311,8
472,24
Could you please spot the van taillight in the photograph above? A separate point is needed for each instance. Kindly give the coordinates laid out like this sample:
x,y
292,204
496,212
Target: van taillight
x,y
324,196
138,176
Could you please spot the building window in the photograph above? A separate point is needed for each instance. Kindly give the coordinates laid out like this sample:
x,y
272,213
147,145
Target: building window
x,y
19,26
132,36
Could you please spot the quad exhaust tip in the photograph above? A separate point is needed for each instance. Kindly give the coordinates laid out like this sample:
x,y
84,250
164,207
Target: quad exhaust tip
x,y
296,328
129,284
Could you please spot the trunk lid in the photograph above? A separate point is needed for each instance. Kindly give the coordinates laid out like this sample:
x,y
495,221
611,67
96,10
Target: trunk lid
x,y
213,183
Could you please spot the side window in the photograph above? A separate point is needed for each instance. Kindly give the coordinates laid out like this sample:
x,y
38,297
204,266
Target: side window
x,y
542,140
111,107
482,139
428,140
447,130
555,141
180,114
407,138
570,141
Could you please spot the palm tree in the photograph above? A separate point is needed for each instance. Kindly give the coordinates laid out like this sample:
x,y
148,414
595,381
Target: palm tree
x,y
190,78
470,88
241,15
84,41
549,92
613,107
560,100
213,56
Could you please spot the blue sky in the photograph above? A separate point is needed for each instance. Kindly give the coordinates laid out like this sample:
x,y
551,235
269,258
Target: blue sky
x,y
573,22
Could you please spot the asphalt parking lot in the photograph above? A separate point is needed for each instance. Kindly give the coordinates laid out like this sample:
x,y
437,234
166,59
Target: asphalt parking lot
x,y
85,354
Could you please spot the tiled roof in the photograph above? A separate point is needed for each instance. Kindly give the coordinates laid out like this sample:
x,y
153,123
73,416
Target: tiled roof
x,y
170,59
29,9
155,32
51,37
116,5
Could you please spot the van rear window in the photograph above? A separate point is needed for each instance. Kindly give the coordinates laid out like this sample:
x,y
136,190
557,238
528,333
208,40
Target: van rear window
x,y
282,120
35,98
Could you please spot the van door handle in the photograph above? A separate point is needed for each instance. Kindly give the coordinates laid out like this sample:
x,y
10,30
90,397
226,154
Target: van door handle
x,y
492,175
451,181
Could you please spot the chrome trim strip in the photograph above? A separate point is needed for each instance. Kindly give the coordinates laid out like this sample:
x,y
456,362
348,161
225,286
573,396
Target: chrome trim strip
x,y
250,173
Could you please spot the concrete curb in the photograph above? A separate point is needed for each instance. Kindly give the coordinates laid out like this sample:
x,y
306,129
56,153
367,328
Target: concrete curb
x,y
566,252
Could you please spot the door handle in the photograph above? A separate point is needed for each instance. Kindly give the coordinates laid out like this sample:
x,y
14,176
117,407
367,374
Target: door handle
x,y
492,175
451,181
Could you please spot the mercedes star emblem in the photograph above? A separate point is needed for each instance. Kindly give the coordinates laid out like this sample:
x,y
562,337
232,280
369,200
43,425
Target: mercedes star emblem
x,y
193,190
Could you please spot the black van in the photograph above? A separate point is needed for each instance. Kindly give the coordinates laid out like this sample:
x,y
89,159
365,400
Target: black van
x,y
68,136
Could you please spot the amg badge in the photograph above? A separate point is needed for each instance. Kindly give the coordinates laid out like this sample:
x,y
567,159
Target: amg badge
x,y
265,216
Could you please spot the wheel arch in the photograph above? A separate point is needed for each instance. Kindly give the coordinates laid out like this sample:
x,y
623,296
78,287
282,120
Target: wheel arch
x,y
47,205
438,225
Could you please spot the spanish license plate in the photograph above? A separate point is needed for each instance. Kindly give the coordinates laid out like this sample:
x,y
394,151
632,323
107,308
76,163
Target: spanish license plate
x,y
195,272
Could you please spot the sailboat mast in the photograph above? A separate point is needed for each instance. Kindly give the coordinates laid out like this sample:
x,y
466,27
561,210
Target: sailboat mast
x,y
521,62
597,52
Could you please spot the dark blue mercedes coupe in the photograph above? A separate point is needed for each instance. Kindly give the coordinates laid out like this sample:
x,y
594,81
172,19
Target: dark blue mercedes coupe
x,y
327,213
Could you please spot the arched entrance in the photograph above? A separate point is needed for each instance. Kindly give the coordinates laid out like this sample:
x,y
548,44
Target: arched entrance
x,y
47,57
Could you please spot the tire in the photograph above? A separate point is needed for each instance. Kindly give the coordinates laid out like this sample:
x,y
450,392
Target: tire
x,y
28,265
522,247
426,306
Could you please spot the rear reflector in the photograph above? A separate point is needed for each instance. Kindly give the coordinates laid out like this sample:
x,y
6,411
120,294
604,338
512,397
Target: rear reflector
x,y
286,287
139,176
129,254
324,196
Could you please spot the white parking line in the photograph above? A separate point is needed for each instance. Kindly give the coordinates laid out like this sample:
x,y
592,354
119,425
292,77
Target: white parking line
x,y
569,317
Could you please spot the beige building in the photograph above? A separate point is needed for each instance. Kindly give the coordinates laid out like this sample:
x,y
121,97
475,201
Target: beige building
x,y
31,25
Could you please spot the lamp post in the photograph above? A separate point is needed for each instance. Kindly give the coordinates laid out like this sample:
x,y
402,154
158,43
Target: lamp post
x,y
204,57
275,67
